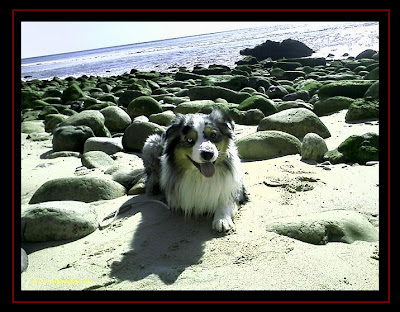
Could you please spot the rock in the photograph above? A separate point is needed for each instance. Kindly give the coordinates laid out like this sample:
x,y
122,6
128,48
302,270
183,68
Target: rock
x,y
28,96
288,48
295,121
363,109
90,118
232,82
62,154
373,91
260,102
332,104
24,260
373,74
313,147
51,121
73,92
350,88
309,85
107,145
143,105
128,96
329,226
96,159
298,95
356,149
71,138
137,133
199,106
249,117
277,92
116,119
32,126
267,144
83,188
57,220
163,119
215,92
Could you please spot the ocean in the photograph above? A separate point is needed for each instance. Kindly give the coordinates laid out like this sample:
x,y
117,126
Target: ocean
x,y
335,38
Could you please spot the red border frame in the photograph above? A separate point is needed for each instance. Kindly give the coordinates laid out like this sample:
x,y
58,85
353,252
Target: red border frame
x,y
191,10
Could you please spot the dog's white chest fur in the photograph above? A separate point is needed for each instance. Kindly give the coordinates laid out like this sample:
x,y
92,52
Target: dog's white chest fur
x,y
197,195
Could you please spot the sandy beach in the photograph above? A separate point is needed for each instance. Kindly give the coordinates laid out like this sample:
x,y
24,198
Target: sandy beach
x,y
149,248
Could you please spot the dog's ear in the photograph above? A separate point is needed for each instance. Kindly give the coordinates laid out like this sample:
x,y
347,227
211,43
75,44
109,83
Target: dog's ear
x,y
224,121
175,127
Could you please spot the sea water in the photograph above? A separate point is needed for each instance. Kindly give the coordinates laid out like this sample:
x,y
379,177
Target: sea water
x,y
330,38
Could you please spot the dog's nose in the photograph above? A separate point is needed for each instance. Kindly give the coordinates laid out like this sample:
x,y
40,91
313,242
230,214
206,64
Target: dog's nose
x,y
206,155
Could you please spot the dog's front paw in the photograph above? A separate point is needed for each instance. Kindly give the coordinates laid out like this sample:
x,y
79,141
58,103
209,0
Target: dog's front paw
x,y
223,224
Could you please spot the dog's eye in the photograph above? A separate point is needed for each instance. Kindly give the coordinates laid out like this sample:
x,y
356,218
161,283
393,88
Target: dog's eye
x,y
189,140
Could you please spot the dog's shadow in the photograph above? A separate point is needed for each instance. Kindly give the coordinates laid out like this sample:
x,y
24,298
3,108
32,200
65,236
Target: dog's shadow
x,y
165,243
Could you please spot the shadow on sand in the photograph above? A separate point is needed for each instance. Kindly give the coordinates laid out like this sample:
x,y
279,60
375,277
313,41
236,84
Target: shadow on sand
x,y
164,243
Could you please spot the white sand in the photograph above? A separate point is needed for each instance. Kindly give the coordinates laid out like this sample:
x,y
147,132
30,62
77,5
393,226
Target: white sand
x,y
148,248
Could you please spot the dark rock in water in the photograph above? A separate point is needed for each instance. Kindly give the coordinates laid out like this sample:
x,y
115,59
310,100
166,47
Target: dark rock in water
x,y
356,149
296,121
329,226
288,48
71,138
267,144
57,220
84,188
366,54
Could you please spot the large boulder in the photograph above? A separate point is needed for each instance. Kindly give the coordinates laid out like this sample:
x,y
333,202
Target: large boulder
x,y
57,220
258,101
91,118
356,149
329,226
71,138
143,105
137,133
116,119
83,188
350,88
288,48
267,144
295,121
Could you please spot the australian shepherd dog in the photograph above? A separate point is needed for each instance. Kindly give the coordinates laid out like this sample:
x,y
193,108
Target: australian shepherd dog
x,y
195,165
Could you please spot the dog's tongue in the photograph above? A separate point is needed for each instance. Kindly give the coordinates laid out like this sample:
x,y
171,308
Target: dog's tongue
x,y
207,169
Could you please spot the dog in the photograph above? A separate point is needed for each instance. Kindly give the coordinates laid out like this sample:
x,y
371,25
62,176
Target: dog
x,y
195,165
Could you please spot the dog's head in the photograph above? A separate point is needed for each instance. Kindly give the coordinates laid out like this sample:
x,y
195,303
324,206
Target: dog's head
x,y
199,140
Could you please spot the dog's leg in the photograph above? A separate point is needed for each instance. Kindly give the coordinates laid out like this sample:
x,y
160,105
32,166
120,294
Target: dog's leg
x,y
222,221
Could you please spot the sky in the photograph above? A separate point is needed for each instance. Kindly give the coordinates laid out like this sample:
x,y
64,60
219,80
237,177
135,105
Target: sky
x,y
46,38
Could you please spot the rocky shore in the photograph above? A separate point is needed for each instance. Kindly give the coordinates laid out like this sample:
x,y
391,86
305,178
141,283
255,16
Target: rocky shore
x,y
307,133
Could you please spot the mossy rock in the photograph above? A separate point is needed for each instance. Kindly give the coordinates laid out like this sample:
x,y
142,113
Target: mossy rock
x,y
350,88
258,101
356,149
363,109
143,105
